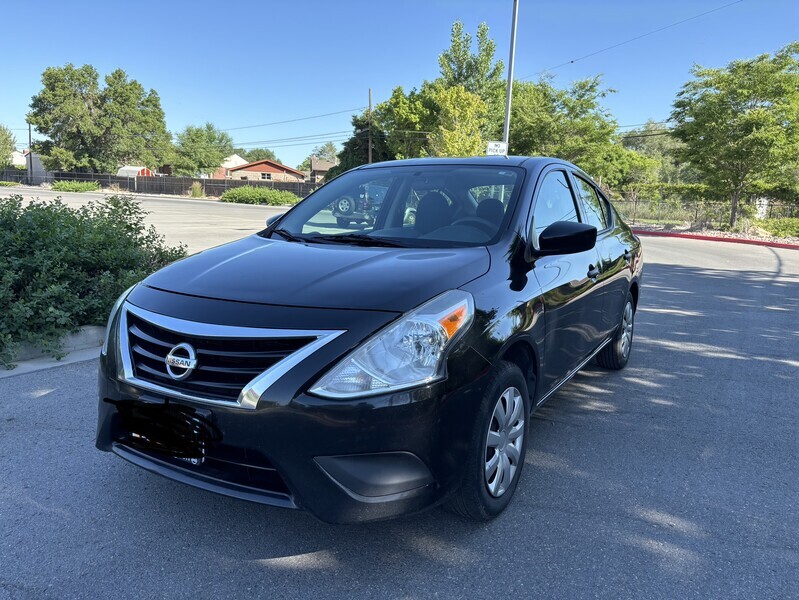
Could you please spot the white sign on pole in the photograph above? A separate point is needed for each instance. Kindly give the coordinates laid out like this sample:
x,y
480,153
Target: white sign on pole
x,y
497,149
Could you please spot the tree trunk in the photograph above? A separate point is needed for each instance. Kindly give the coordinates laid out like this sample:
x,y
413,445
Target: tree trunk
x,y
734,208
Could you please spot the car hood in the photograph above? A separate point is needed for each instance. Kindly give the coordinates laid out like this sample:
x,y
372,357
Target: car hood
x,y
267,271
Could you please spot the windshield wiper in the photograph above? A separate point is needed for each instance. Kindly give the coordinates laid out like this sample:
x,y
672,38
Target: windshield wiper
x,y
288,236
358,239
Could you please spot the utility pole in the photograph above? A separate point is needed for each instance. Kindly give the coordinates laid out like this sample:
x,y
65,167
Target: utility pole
x,y
30,156
506,130
370,126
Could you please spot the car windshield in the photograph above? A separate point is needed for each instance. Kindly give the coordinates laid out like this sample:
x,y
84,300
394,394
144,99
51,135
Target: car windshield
x,y
406,206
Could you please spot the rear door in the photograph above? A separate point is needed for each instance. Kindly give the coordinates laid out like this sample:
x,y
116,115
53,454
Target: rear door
x,y
614,257
571,302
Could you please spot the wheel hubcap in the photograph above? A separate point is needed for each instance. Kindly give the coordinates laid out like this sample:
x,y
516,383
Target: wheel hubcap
x,y
504,442
627,329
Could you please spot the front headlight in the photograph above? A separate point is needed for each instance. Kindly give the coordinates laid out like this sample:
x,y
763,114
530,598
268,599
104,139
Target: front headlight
x,y
112,316
407,353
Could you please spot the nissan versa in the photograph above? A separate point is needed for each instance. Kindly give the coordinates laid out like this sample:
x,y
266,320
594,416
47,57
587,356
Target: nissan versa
x,y
361,371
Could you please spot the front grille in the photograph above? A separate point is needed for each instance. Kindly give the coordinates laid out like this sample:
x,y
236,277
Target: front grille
x,y
224,364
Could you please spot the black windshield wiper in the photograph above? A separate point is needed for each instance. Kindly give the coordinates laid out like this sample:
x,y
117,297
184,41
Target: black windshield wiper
x,y
288,236
358,239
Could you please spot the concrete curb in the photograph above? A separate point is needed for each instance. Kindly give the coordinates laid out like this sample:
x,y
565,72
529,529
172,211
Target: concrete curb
x,y
711,238
79,346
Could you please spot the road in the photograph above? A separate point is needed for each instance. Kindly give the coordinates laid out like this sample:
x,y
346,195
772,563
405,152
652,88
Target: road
x,y
199,224
675,478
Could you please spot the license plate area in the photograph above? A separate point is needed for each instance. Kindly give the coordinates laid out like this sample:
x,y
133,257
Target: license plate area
x,y
164,428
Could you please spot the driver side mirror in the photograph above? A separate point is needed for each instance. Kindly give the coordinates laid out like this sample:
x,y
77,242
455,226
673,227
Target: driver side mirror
x,y
566,237
273,219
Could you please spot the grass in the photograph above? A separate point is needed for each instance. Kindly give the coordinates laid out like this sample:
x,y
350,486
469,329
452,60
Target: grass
x,y
76,186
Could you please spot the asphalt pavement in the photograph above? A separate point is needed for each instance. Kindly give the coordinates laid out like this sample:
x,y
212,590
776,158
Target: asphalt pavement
x,y
675,478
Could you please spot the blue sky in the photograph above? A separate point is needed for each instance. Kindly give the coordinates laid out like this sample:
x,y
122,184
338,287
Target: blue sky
x,y
247,63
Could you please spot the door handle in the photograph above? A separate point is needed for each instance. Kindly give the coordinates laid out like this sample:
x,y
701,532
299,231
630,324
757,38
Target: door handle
x,y
593,272
628,256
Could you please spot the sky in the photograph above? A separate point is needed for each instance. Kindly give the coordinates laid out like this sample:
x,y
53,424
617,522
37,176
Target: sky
x,y
252,63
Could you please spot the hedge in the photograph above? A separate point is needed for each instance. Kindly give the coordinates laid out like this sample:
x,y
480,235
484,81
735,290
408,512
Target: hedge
x,y
8,184
62,268
788,227
259,195
76,186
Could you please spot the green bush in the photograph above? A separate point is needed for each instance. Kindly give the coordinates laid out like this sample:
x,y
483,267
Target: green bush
x,y
780,227
8,184
197,190
62,267
259,195
76,186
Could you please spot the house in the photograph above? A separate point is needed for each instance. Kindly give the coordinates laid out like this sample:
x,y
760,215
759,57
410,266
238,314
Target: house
x,y
230,162
18,159
266,170
129,171
320,167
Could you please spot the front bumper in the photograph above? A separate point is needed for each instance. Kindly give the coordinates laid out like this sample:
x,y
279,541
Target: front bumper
x,y
343,461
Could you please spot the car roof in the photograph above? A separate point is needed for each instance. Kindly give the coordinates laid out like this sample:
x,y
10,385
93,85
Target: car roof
x,y
528,162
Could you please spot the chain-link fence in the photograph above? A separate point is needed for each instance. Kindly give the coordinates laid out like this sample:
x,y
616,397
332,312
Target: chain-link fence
x,y
699,214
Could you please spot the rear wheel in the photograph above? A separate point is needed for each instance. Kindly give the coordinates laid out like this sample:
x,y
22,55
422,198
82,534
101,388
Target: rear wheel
x,y
616,354
498,445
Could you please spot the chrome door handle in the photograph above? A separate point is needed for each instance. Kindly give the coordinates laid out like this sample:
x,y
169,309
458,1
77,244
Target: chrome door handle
x,y
593,272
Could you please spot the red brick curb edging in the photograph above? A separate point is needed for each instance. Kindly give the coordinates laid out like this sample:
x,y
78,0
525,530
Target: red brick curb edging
x,y
711,238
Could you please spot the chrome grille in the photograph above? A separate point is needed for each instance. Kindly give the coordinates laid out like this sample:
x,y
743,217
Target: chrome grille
x,y
230,360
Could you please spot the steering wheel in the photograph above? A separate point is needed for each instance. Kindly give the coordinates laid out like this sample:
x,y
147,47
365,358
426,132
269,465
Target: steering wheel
x,y
484,224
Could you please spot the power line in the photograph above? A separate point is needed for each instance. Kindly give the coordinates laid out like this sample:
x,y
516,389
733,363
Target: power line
x,y
340,112
632,39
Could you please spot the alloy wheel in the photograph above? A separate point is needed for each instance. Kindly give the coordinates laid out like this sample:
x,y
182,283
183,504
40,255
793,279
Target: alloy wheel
x,y
627,329
504,442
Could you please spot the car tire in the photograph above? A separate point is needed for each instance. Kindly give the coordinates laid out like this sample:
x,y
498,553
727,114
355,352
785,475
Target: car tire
x,y
342,222
616,354
481,496
345,205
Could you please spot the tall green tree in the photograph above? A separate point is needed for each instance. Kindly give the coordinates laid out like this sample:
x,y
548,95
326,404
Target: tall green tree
x,y
408,120
7,145
97,128
201,150
477,71
740,125
654,141
461,119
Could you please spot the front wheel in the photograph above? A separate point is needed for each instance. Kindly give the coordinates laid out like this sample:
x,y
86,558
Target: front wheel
x,y
616,354
498,445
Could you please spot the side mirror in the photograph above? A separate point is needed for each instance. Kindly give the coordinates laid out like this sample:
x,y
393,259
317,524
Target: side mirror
x,y
273,219
566,237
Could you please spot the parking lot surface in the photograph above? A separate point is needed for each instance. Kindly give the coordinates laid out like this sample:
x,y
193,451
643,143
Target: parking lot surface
x,y
675,478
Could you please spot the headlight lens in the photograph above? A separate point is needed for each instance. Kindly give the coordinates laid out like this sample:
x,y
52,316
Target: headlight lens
x,y
407,353
114,311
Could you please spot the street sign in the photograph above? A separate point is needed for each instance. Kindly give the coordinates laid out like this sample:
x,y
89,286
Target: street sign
x,y
497,149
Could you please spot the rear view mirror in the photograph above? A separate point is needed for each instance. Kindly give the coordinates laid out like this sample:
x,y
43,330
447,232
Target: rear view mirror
x,y
271,220
566,237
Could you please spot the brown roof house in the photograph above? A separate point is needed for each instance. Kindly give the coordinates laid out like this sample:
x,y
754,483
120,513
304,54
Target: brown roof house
x,y
223,172
320,167
266,170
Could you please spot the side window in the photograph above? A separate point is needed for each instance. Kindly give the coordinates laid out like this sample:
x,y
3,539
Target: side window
x,y
594,207
554,202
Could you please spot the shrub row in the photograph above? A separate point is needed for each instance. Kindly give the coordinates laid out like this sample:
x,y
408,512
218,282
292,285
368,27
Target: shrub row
x,y
76,186
788,227
8,184
62,267
259,195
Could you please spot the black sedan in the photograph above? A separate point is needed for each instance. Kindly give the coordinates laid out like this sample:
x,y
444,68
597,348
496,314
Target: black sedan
x,y
385,368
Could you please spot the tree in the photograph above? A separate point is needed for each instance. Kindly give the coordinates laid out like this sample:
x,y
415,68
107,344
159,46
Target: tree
x,y
568,123
461,119
653,141
94,128
477,72
407,120
256,154
356,149
201,150
7,145
740,125
326,151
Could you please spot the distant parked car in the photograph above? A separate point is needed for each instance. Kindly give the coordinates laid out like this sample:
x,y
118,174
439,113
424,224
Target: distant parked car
x,y
360,207
385,369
